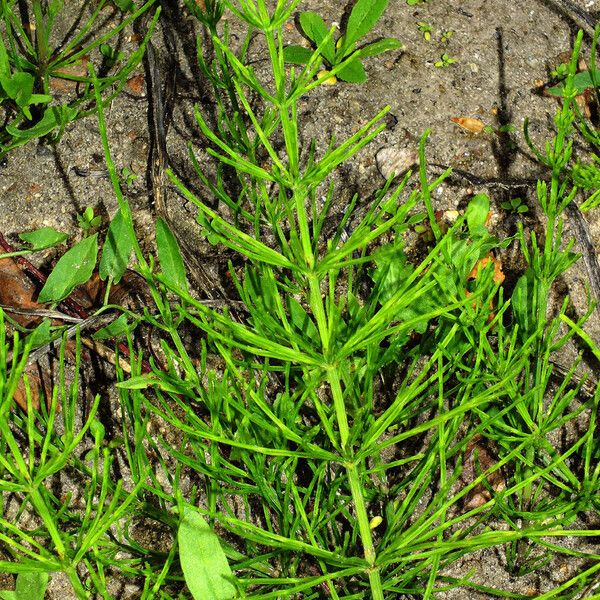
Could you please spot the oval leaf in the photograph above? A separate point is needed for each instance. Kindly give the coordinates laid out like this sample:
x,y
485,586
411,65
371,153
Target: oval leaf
x,y
53,117
43,238
362,18
117,328
117,249
353,72
169,255
380,47
205,568
73,268
296,55
477,213
315,29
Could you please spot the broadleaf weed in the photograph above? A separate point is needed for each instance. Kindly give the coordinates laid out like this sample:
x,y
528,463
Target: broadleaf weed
x,y
357,421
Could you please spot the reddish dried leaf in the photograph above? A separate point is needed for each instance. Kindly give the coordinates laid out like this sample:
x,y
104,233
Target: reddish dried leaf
x,y
17,291
472,125
38,385
78,69
136,85
479,457
481,264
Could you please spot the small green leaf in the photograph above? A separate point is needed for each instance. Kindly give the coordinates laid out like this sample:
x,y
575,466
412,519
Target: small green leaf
x,y
392,271
205,568
40,99
30,586
41,334
521,302
362,18
117,328
581,82
169,255
297,55
19,87
141,382
379,47
125,5
117,249
97,429
477,213
73,268
53,117
301,321
43,238
353,72
314,28
4,62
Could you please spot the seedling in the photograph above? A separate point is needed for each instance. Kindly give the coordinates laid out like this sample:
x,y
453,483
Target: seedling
x,y
515,205
506,128
415,2
342,56
128,176
446,35
111,55
445,61
581,82
87,221
425,29
29,62
560,72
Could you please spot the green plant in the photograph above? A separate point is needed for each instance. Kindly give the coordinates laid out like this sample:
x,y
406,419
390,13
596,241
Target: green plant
x,y
30,586
362,416
445,61
342,56
425,29
87,220
62,536
128,176
515,205
293,432
446,35
560,72
30,59
506,128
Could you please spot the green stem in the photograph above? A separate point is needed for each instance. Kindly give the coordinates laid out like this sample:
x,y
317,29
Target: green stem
x,y
339,406
42,509
364,529
356,490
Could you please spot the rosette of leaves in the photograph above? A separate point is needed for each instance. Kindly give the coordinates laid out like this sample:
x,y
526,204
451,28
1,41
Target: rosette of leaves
x,y
31,57
343,56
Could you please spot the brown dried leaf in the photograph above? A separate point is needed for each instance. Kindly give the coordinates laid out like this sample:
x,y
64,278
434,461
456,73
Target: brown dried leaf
x,y
78,69
17,291
472,125
479,457
136,85
38,385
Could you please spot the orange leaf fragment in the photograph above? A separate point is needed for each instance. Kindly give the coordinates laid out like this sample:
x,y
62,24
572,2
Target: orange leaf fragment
x,y
38,386
59,84
136,85
483,262
17,291
472,125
